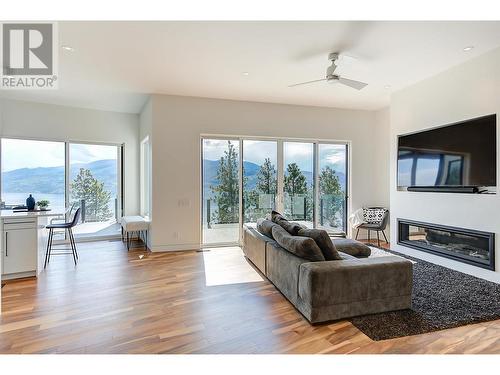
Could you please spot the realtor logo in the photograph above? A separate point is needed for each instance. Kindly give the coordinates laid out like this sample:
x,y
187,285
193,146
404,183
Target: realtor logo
x,y
29,56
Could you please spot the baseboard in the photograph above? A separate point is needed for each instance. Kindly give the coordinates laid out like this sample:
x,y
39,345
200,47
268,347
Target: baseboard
x,y
187,247
176,247
19,275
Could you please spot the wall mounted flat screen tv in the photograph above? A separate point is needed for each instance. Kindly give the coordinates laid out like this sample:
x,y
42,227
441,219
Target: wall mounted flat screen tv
x,y
462,154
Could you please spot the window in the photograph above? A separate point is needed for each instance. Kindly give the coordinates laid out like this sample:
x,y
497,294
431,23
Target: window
x,y
93,187
33,167
145,177
69,176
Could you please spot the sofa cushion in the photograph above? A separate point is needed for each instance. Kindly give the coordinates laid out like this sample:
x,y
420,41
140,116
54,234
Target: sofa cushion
x,y
323,241
352,247
265,227
303,247
292,228
346,256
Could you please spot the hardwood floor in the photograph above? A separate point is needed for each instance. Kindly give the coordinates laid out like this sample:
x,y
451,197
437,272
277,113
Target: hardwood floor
x,y
119,302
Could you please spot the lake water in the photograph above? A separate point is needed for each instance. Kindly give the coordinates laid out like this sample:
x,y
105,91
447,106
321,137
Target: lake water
x,y
56,200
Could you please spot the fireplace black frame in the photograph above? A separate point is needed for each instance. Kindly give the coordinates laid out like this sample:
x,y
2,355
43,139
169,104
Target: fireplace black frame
x,y
471,232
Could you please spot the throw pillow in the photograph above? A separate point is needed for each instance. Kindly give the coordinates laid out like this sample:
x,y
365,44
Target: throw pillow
x,y
265,227
323,241
373,215
303,247
352,247
292,228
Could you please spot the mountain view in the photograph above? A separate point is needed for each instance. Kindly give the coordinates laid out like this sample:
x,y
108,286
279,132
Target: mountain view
x,y
50,180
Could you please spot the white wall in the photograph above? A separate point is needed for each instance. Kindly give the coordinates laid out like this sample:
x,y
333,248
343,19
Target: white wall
x,y
463,92
53,122
178,123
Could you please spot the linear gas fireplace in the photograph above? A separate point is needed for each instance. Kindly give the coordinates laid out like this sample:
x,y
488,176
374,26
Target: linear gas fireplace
x,y
464,245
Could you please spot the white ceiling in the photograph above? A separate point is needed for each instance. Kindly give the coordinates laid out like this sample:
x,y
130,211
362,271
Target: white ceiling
x,y
115,65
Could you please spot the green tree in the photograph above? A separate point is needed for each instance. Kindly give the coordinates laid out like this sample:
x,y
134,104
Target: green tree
x,y
86,187
295,181
266,178
226,192
331,195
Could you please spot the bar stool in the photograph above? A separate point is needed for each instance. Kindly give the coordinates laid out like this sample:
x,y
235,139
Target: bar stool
x,y
68,226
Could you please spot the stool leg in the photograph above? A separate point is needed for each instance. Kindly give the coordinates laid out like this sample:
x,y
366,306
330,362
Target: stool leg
x,y
51,241
72,246
73,241
128,241
146,241
48,247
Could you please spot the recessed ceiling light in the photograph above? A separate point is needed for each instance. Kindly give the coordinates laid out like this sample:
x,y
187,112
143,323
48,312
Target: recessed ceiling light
x,y
68,48
387,87
468,48
245,73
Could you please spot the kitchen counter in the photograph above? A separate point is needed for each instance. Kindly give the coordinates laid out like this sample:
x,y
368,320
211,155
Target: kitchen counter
x,y
23,242
26,214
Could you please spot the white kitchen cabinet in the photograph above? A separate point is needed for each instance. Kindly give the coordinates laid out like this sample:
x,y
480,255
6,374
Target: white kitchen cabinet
x,y
19,248
23,242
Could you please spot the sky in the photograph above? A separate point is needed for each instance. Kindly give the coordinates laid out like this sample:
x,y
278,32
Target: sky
x,y
18,153
295,152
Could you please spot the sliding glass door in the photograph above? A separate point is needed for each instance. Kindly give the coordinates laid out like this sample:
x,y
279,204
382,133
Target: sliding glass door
x,y
94,188
245,179
298,182
221,191
260,179
332,178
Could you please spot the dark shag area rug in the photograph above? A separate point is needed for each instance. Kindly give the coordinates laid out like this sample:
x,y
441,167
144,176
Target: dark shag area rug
x,y
442,298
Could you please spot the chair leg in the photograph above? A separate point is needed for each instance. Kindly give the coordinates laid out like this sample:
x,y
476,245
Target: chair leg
x,y
128,241
378,239
385,237
357,234
146,240
368,235
48,247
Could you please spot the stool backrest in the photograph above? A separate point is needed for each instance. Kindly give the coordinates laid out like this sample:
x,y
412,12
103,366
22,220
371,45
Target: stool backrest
x,y
76,218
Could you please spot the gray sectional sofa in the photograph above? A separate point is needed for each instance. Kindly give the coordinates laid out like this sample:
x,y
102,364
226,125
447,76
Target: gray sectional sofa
x,y
330,290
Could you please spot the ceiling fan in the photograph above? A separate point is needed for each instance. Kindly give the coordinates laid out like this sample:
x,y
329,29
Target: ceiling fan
x,y
332,77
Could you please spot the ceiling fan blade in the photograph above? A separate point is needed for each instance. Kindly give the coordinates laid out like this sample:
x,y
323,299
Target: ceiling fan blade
x,y
306,83
352,83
